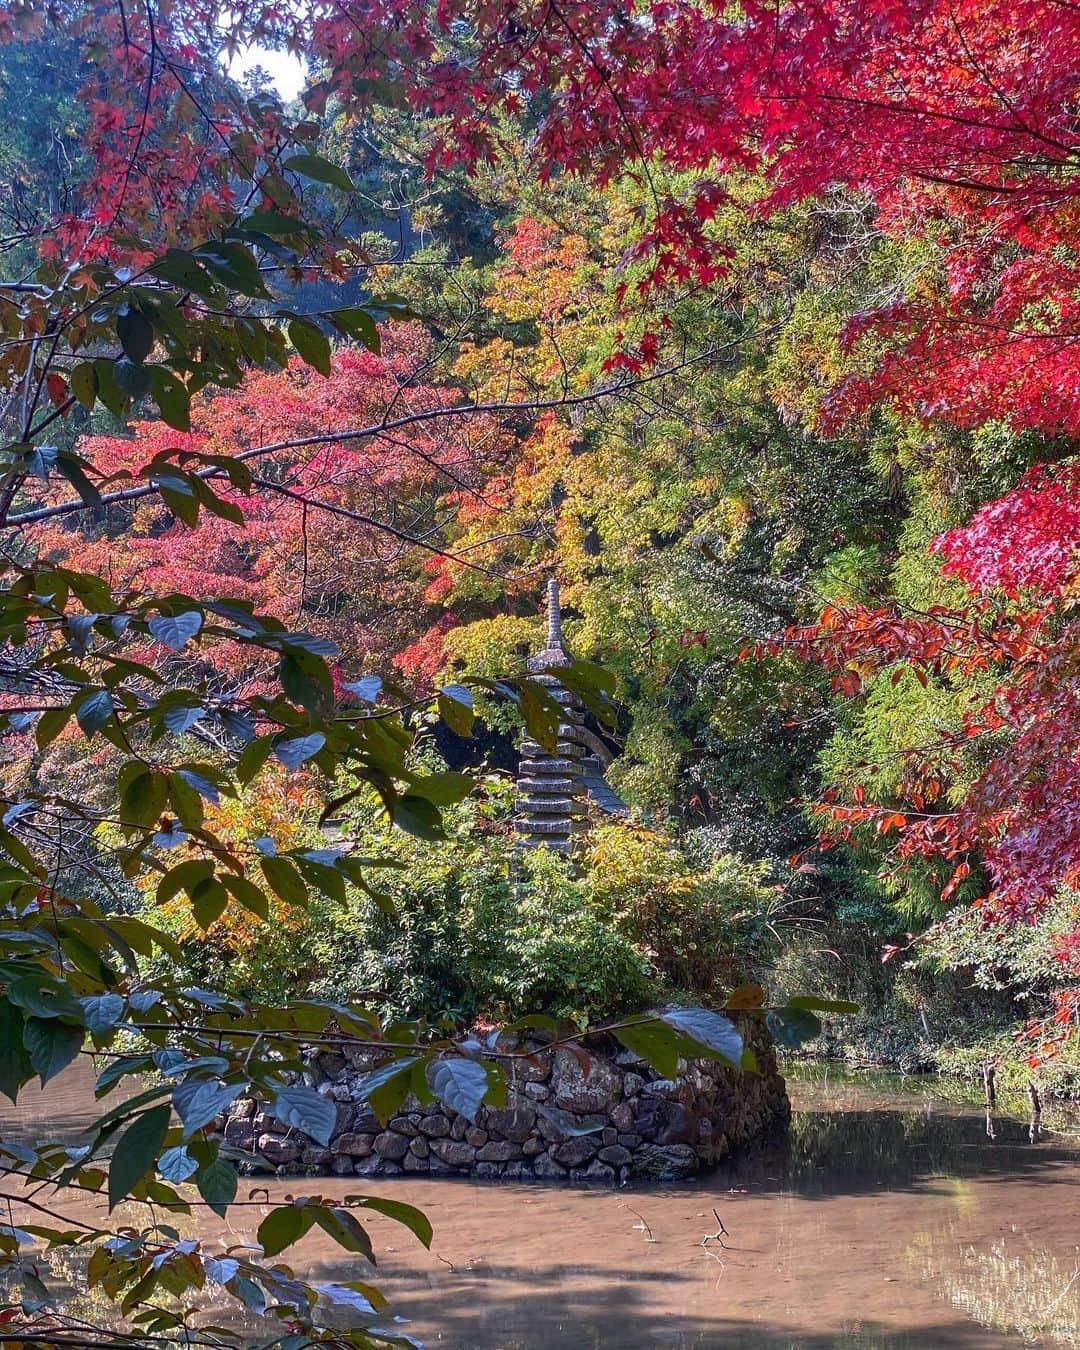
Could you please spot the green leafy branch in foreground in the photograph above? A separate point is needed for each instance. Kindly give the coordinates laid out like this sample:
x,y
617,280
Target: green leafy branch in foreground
x,y
131,676
154,1148
80,660
72,973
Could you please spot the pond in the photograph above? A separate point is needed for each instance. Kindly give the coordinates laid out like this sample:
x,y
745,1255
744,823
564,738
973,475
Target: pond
x,y
888,1219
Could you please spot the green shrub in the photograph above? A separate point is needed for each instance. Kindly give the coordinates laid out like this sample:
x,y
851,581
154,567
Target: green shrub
x,y
562,948
707,927
469,932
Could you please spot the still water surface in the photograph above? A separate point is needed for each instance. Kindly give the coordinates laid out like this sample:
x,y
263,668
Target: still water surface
x,y
886,1220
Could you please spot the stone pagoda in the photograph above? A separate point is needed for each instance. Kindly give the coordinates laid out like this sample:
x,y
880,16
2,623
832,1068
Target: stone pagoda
x,y
551,800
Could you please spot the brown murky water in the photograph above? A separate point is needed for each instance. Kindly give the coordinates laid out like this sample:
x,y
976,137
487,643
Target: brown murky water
x,y
887,1220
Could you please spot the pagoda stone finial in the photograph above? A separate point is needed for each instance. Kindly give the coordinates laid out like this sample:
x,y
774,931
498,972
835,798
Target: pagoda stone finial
x,y
554,636
551,788
554,652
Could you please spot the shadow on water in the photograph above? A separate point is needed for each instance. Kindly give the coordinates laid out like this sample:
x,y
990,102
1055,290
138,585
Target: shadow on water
x,y
586,1324
549,1317
886,1218
514,1309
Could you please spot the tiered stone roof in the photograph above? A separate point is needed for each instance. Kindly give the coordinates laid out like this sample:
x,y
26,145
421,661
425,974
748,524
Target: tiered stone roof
x,y
551,805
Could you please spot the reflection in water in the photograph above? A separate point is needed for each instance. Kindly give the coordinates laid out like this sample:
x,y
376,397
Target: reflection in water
x,y
886,1220
1010,1286
872,1140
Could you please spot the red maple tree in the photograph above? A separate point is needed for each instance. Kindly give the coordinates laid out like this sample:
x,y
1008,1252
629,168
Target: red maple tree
x,y
954,121
1020,557
333,532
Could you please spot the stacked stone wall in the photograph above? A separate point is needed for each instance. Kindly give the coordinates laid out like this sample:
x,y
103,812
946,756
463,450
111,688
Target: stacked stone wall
x,y
620,1122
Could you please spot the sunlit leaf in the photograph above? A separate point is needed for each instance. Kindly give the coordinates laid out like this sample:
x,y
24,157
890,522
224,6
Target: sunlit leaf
x,y
305,1109
461,1083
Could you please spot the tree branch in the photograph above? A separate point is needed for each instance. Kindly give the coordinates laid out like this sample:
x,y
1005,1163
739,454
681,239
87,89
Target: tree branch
x,y
376,429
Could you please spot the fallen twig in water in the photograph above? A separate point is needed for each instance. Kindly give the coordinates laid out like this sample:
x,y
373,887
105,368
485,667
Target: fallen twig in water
x,y
720,1234
643,1225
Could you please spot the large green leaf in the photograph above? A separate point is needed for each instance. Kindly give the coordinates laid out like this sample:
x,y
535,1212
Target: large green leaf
x,y
142,794
83,381
793,1027
131,377
293,751
94,711
135,333
718,1035
108,387
345,1230
177,1164
461,1083
284,880
456,708
282,1227
186,876
409,1215
40,994
655,1042
247,893
198,1101
181,269
50,725
385,1088
311,343
358,323
268,221
306,680
594,685
217,1185
234,265
187,802
417,815
208,902
305,1109
542,713
51,1045
322,170
102,1012
137,1152
172,397
15,1066
175,631
443,789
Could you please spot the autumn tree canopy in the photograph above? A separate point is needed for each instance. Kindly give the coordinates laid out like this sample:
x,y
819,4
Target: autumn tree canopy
x,y
760,330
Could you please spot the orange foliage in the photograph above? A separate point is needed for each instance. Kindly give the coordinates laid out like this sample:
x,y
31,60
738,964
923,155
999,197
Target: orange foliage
x,y
337,574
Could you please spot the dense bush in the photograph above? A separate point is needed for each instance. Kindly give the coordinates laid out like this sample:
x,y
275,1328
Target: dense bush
x,y
707,921
950,1000
466,931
